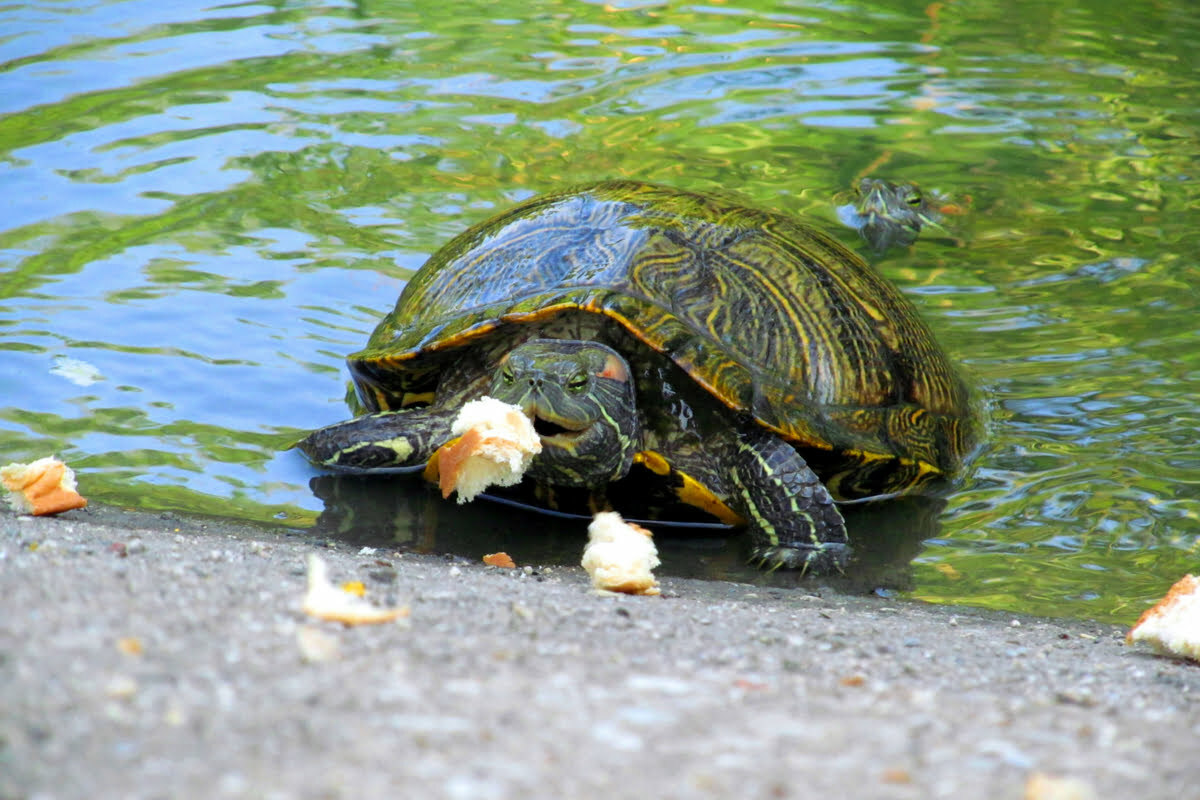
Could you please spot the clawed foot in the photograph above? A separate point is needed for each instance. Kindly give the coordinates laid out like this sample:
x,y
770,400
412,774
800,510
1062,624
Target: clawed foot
x,y
819,559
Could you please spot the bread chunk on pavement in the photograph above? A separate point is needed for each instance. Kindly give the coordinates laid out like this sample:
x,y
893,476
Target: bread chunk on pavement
x,y
620,556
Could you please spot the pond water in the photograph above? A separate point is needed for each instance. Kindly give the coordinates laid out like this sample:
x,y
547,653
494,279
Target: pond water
x,y
207,205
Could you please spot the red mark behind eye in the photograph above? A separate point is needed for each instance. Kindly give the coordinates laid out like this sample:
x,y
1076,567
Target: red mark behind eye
x,y
614,368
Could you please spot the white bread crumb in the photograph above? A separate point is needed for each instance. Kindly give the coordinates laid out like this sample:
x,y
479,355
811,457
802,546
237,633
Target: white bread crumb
x,y
496,444
1041,786
1173,626
45,486
328,602
620,557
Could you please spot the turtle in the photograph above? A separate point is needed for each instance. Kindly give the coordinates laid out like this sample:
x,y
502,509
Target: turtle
x,y
668,346
890,214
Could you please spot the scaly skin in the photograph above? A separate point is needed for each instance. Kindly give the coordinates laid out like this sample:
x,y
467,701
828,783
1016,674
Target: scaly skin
x,y
401,440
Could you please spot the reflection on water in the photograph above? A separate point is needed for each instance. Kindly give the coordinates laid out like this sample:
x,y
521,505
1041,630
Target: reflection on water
x,y
408,515
207,206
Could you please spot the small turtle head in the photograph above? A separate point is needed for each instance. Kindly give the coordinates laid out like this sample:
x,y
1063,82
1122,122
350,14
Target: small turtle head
x,y
888,214
580,396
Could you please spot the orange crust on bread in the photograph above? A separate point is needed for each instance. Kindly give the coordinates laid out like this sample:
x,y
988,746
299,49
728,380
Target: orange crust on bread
x,y
451,457
43,490
1186,585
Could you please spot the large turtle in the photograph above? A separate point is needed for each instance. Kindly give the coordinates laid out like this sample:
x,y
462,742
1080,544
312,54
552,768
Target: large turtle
x,y
667,343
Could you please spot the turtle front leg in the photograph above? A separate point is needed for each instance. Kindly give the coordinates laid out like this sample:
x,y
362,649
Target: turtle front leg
x,y
387,440
792,520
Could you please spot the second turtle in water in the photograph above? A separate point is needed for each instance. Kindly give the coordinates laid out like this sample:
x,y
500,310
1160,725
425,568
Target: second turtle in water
x,y
890,214
667,345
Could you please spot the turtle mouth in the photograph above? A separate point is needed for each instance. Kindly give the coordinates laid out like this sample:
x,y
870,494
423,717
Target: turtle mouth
x,y
555,433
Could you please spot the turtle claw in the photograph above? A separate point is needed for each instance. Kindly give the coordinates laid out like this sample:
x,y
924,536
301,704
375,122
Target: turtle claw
x,y
819,559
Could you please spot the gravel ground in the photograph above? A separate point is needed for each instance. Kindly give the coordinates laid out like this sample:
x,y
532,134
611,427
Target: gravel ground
x,y
147,657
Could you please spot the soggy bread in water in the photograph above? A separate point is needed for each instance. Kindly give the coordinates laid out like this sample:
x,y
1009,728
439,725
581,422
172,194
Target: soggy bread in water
x,y
620,557
46,486
495,445
1173,626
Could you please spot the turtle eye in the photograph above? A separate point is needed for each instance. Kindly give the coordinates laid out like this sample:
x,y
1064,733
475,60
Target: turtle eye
x,y
578,382
507,376
914,198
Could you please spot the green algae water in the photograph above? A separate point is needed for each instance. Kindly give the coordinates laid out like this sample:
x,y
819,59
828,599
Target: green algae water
x,y
207,206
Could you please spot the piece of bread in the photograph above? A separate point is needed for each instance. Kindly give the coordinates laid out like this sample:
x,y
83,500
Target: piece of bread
x,y
620,556
46,486
1173,626
1041,786
495,445
499,560
328,602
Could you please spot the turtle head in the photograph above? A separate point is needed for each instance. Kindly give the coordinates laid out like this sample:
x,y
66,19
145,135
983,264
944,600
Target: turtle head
x,y
893,213
580,396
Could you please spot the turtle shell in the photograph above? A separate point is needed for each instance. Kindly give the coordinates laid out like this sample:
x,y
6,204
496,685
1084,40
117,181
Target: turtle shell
x,y
771,316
